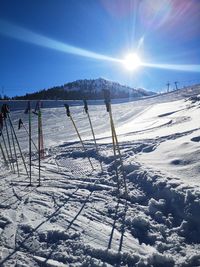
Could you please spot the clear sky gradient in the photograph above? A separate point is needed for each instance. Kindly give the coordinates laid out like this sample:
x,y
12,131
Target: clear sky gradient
x,y
50,42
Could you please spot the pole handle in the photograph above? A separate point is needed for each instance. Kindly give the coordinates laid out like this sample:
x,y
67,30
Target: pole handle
x,y
85,105
67,109
107,99
5,110
20,123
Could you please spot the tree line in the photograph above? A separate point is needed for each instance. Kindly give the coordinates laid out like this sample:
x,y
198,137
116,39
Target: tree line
x,y
59,93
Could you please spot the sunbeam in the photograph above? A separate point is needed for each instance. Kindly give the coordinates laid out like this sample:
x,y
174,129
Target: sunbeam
x,y
25,35
177,67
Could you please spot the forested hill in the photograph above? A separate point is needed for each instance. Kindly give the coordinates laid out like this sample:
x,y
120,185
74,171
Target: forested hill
x,y
89,89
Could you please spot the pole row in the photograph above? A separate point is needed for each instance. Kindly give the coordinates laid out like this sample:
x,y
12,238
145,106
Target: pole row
x,y
10,144
10,157
12,141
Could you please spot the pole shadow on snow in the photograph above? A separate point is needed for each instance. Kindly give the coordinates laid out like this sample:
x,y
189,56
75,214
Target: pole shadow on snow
x,y
122,227
79,212
48,218
15,183
114,224
19,198
35,229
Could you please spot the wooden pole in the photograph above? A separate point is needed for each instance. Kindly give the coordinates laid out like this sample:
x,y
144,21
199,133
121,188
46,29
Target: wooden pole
x,y
79,136
118,149
4,142
93,134
3,154
114,137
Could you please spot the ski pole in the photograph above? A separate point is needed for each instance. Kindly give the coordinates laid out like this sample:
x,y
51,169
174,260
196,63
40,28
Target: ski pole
x,y
114,136
19,127
3,154
30,137
38,112
107,102
39,143
119,152
18,144
15,152
41,132
40,138
5,110
1,128
4,142
28,111
92,130
9,145
76,129
1,121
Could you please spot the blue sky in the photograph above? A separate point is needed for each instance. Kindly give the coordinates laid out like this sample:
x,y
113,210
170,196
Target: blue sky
x,y
49,42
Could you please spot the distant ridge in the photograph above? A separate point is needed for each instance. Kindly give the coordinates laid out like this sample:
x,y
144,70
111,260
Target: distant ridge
x,y
89,89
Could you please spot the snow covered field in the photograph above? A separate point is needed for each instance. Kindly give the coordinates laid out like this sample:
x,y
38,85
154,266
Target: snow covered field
x,y
78,217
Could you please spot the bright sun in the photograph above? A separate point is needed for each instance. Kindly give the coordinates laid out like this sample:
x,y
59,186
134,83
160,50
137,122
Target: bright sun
x,y
132,62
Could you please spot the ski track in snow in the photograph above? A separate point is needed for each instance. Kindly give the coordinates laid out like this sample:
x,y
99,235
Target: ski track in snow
x,y
78,217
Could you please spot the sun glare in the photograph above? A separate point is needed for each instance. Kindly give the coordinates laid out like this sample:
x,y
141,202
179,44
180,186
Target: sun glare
x,y
132,62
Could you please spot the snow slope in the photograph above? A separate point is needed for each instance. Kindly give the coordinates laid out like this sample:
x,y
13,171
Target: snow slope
x,y
80,217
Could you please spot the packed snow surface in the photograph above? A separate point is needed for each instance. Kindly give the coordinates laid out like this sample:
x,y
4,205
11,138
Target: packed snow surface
x,y
84,217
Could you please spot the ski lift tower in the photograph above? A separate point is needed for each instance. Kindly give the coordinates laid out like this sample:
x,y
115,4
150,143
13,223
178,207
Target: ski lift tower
x,y
2,91
168,84
176,85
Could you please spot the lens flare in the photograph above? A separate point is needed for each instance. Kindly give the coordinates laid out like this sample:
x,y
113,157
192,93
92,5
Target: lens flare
x,y
131,62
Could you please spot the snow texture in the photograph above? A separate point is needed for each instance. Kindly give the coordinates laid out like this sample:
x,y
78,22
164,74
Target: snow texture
x,y
83,217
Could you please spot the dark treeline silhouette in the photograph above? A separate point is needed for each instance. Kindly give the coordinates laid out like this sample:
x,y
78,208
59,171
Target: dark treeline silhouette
x,y
88,89
60,94
5,97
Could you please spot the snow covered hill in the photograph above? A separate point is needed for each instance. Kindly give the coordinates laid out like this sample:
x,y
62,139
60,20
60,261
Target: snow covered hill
x,y
98,85
80,217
